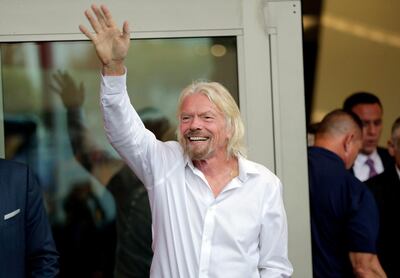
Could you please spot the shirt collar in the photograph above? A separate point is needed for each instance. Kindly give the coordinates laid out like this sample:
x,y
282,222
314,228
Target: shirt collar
x,y
246,168
362,158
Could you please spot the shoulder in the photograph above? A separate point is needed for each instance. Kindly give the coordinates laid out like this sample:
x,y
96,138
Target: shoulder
x,y
382,151
172,150
11,164
386,158
320,159
257,168
9,168
257,174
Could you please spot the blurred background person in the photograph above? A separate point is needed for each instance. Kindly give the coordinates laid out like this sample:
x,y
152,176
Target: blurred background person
x,y
372,159
386,189
133,220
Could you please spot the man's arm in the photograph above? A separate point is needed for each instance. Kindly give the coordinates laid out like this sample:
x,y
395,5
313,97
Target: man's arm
x,y
41,254
363,229
366,265
273,245
87,151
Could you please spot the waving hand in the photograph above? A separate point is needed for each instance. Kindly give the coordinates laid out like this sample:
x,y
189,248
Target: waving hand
x,y
110,42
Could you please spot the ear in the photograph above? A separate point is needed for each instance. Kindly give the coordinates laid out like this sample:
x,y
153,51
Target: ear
x,y
347,140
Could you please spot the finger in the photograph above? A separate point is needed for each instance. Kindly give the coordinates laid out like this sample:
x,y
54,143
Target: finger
x,y
86,32
58,78
125,30
56,90
93,22
107,16
100,17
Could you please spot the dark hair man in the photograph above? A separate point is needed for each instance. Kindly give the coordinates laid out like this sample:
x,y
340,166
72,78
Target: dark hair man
x,y
372,159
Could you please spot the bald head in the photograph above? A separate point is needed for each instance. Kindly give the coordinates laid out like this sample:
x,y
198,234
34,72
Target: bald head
x,y
341,133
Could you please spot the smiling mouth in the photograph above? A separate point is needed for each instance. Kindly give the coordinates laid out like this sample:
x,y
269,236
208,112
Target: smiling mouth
x,y
197,138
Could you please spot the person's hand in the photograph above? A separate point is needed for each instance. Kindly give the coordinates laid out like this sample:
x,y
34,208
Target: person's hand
x,y
71,95
111,44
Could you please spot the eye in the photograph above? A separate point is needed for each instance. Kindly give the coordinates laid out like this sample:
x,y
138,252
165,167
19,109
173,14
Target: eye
x,y
208,118
185,118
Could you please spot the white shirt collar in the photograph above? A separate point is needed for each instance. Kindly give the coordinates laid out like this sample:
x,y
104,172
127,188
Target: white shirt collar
x,y
245,168
362,158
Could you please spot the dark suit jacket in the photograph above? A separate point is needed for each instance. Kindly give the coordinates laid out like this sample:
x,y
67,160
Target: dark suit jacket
x,y
386,189
27,248
387,160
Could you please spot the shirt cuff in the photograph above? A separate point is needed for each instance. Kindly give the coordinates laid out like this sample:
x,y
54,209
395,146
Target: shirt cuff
x,y
114,84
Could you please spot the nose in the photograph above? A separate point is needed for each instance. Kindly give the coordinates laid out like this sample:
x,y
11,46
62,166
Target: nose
x,y
372,129
196,123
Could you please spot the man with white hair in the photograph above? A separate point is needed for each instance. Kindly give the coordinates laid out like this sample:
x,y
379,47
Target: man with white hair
x,y
215,213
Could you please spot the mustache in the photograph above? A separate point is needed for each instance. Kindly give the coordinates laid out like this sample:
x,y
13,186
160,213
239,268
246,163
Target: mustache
x,y
195,133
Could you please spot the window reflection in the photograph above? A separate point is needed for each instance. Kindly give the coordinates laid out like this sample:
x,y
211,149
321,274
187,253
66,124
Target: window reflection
x,y
52,121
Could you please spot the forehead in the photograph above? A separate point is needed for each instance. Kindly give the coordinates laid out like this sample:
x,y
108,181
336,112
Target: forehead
x,y
368,111
198,103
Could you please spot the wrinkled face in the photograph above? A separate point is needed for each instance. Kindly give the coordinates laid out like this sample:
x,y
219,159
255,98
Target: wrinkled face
x,y
202,128
371,117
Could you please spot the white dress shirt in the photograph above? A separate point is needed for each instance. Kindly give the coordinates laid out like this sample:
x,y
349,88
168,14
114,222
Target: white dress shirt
x,y
361,169
240,233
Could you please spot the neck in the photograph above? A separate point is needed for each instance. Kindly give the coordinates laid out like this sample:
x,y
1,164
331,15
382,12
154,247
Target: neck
x,y
215,163
334,146
218,172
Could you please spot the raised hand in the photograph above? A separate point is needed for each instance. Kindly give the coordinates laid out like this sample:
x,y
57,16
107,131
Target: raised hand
x,y
111,44
71,94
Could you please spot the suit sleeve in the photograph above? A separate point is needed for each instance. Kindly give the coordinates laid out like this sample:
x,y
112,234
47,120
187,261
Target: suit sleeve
x,y
42,257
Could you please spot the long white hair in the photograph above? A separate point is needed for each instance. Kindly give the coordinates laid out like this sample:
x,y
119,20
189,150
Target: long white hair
x,y
224,101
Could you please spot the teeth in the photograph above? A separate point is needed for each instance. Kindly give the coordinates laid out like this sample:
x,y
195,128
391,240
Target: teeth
x,y
197,138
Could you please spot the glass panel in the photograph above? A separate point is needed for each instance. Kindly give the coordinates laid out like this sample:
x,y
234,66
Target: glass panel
x,y
52,122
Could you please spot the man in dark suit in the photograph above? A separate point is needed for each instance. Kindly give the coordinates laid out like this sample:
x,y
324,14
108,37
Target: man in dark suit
x,y
386,189
27,248
372,160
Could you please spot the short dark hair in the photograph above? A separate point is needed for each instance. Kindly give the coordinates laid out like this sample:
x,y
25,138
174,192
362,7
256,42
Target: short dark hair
x,y
330,121
360,98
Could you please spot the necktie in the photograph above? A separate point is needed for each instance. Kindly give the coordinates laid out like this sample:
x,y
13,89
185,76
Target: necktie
x,y
372,171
